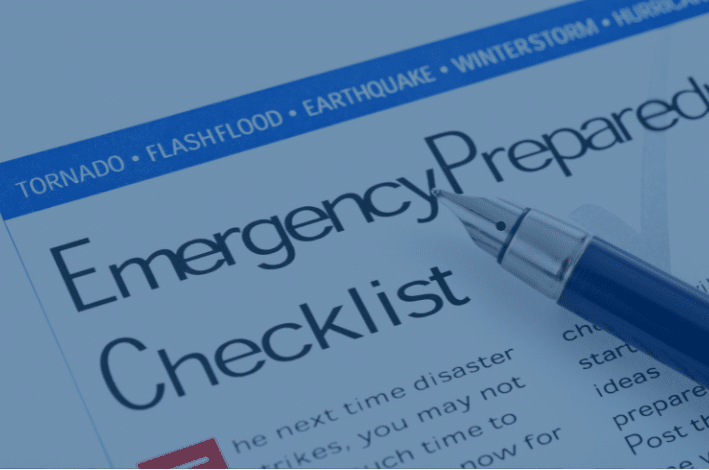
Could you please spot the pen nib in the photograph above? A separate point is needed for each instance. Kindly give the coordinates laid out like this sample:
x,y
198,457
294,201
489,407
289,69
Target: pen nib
x,y
489,222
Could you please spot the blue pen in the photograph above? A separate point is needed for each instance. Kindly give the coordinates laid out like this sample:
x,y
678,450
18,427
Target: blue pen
x,y
640,304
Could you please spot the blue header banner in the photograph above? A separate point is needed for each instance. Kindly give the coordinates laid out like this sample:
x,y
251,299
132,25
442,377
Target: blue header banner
x,y
64,174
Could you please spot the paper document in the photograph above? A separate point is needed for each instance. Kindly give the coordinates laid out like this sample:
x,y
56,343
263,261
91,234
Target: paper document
x,y
267,281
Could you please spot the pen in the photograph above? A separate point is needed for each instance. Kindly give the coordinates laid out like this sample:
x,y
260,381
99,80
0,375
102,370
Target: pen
x,y
638,303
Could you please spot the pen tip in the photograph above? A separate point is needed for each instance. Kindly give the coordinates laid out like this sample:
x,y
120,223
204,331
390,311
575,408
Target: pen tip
x,y
436,192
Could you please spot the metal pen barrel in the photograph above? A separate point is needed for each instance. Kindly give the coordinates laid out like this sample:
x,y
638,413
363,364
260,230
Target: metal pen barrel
x,y
631,299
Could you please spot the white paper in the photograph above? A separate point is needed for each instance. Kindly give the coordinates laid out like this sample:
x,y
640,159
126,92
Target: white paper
x,y
534,406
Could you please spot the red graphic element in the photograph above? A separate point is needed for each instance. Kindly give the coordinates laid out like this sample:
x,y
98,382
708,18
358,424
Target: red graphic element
x,y
197,452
